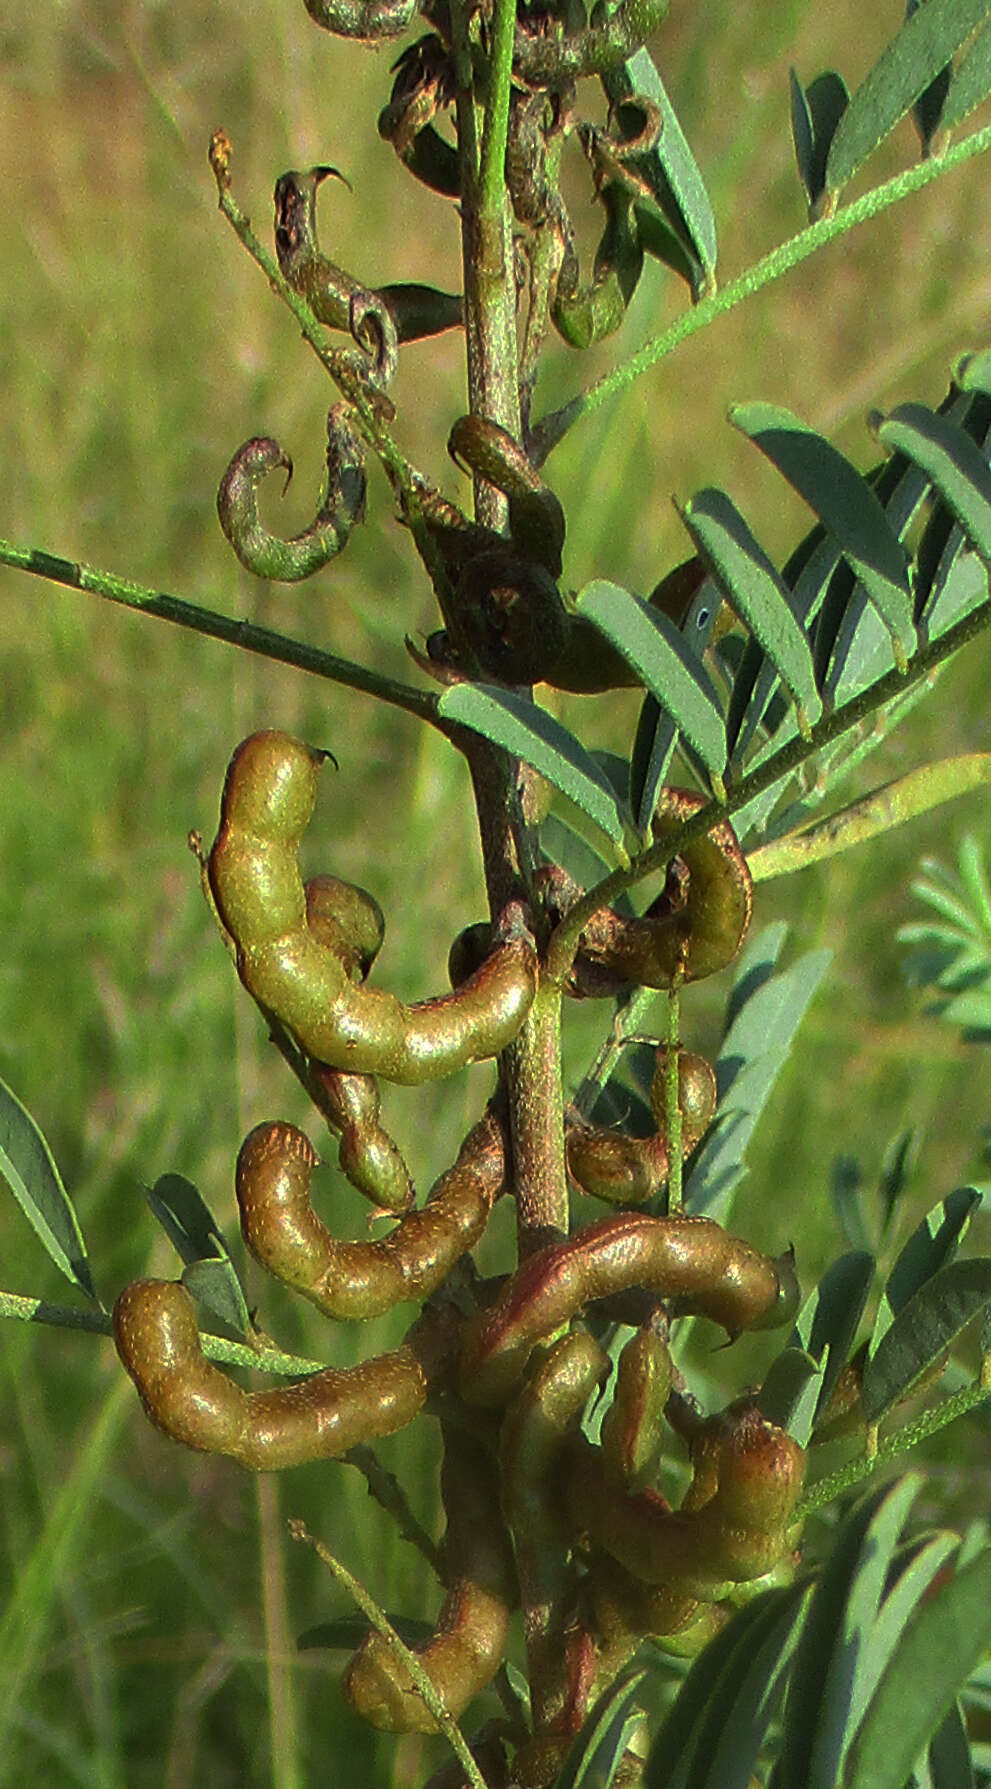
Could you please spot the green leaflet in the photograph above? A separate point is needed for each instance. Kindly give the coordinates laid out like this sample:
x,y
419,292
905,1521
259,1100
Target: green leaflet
x,y
931,1245
657,733
830,1317
815,114
941,1643
922,1331
792,1391
955,464
970,81
530,733
657,650
192,1229
884,808
755,590
836,1643
734,1684
847,505
911,62
28,1167
669,168
597,1750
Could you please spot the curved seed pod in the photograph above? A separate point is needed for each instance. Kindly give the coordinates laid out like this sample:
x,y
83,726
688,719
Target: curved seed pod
x,y
267,801
737,1533
350,922
367,1155
536,519
688,1260
630,1170
361,1279
533,1433
467,1648
544,54
424,85
697,924
347,920
585,314
631,1434
626,1610
369,20
415,311
318,1419
267,555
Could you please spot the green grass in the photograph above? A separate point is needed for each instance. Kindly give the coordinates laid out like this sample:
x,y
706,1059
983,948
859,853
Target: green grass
x,y
151,1597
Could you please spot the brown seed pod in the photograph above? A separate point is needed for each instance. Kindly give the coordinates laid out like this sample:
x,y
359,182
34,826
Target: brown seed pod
x,y
318,1419
511,615
546,1408
632,1432
689,1261
733,1526
268,798
626,1611
696,925
629,1170
361,1279
467,1648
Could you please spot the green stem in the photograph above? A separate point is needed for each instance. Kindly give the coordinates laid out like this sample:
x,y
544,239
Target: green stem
x,y
629,1019
232,1354
492,169
245,634
555,425
672,1101
773,770
834,1483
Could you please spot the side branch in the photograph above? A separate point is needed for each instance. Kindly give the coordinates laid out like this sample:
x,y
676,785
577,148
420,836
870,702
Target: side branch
x,y
246,634
553,427
773,770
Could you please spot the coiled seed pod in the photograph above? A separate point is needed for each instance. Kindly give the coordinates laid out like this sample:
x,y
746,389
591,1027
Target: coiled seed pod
x,y
467,1648
268,797
632,1432
318,1419
732,1528
361,1279
630,1170
267,555
698,922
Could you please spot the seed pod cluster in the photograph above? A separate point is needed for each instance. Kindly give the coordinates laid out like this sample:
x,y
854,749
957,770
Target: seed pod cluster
x,y
537,1511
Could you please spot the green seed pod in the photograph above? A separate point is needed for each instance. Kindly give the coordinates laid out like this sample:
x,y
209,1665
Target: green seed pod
x,y
367,1154
267,555
630,1170
586,314
690,1261
699,921
412,311
626,1610
467,1648
318,1419
632,1433
361,1279
733,1528
268,798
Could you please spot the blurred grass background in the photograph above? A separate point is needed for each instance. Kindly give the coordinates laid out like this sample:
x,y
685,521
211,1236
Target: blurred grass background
x,y
151,1598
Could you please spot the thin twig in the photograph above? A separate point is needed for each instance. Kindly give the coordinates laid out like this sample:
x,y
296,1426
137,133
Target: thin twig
x,y
383,1626
553,427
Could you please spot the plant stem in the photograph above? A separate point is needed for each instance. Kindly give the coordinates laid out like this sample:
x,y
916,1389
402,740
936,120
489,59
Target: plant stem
x,y
553,427
536,1110
833,1484
215,626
